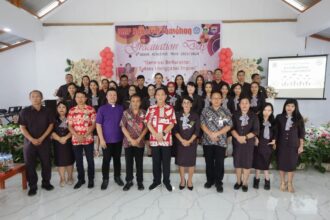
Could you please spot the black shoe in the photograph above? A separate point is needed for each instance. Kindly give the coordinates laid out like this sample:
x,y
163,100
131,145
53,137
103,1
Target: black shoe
x,y
208,185
32,192
237,186
256,183
267,185
190,188
79,184
140,186
219,188
90,184
182,187
153,186
104,184
47,187
168,187
128,186
119,181
245,188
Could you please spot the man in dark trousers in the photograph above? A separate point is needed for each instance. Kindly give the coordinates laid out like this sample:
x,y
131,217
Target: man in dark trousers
x,y
63,90
123,89
141,90
217,83
36,123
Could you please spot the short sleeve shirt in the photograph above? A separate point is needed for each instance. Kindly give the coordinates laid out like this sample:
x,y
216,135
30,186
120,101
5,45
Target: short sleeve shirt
x,y
160,118
36,122
80,120
135,124
215,120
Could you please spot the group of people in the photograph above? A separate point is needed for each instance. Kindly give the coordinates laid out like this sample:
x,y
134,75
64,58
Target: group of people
x,y
167,120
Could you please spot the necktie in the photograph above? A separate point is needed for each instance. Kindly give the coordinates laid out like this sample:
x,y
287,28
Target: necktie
x,y
289,123
266,129
244,119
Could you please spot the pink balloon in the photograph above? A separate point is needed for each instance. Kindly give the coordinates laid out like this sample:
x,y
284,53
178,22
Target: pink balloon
x,y
107,49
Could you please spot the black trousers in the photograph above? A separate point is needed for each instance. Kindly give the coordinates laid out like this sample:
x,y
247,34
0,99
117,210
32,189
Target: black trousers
x,y
131,154
31,153
161,158
214,159
112,150
79,156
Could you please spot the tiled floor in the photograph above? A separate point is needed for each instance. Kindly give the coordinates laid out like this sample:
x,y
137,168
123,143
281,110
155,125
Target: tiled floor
x,y
311,201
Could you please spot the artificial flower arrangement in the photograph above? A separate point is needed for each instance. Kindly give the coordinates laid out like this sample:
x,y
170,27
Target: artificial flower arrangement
x,y
83,67
317,147
11,141
250,66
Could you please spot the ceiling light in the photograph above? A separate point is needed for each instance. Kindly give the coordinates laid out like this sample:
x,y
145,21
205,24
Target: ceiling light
x,y
47,9
7,29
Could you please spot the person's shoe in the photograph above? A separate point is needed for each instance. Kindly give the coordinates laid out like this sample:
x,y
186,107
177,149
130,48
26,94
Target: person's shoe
x,y
283,187
267,185
90,184
208,185
140,186
153,186
62,183
70,181
182,187
290,188
237,186
104,184
168,187
47,187
128,186
219,188
79,184
32,192
256,183
245,188
119,181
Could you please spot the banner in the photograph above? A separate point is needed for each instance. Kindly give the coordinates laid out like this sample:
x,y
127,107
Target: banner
x,y
170,48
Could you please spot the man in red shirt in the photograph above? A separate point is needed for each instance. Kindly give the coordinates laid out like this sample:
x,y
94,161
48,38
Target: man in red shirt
x,y
160,120
81,120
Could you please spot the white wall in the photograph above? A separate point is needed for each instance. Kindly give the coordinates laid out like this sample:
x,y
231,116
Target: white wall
x,y
18,71
248,40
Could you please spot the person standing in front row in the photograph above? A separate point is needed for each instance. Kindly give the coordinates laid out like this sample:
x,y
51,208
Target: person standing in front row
x,y
111,137
134,128
81,121
215,123
264,145
245,129
160,120
186,132
36,123
289,141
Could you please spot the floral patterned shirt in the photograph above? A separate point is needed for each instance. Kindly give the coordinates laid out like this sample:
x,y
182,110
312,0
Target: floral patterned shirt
x,y
135,124
80,120
160,118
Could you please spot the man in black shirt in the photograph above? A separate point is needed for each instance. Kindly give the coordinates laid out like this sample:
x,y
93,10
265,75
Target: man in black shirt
x,y
241,80
141,90
36,123
217,83
256,78
123,89
63,90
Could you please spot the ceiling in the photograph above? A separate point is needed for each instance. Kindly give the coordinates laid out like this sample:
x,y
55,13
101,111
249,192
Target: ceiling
x,y
38,8
8,41
301,5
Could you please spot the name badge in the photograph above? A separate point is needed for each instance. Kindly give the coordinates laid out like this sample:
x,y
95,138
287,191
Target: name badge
x,y
164,121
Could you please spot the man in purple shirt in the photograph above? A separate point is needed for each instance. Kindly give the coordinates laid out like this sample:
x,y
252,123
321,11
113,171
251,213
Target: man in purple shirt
x,y
111,137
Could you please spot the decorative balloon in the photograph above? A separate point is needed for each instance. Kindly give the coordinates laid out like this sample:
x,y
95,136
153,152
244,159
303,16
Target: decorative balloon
x,y
225,63
106,66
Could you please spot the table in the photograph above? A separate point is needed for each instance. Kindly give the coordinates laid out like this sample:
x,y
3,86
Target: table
x,y
17,168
